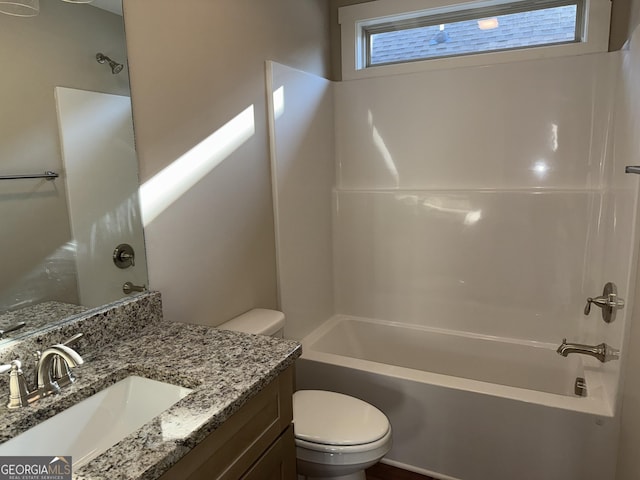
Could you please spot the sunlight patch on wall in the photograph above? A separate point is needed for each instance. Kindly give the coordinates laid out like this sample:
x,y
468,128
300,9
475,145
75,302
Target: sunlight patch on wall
x,y
384,151
456,208
278,102
168,185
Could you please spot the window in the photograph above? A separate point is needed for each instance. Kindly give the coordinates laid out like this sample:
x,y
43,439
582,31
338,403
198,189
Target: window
x,y
472,31
388,37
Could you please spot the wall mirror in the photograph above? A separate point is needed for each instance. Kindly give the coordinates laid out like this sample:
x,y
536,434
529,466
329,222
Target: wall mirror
x,y
65,109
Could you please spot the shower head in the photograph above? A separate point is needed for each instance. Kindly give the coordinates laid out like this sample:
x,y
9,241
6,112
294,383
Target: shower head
x,y
115,66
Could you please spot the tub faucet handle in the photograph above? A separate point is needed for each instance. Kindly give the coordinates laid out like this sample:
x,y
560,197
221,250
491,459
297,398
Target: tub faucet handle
x,y
609,302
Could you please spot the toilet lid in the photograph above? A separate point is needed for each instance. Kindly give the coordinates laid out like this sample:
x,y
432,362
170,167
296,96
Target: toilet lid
x,y
331,418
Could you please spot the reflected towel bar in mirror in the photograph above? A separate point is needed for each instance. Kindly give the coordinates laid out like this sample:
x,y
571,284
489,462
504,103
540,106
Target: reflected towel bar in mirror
x,y
49,175
632,169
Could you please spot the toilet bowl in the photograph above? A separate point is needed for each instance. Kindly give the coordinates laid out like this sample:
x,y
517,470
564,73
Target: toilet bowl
x,y
336,436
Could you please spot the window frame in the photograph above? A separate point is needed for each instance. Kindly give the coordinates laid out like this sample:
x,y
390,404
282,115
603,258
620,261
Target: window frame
x,y
471,14
356,20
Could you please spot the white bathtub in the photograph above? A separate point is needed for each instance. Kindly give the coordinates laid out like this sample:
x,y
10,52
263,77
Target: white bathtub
x,y
468,407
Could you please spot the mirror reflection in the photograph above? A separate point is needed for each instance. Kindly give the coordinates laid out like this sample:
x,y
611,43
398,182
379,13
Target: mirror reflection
x,y
74,241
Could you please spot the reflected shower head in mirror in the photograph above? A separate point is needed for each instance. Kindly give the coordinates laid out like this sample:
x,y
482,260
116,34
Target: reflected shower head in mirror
x,y
115,66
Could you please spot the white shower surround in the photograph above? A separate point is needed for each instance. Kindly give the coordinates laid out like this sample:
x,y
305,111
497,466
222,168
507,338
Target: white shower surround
x,y
482,200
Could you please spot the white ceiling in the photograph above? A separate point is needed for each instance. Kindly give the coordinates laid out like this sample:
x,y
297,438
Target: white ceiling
x,y
113,6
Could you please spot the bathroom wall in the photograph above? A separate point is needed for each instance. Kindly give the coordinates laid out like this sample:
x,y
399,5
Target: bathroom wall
x,y
628,152
477,211
199,107
301,117
625,17
55,48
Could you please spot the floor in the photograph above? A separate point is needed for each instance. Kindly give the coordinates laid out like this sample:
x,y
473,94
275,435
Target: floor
x,y
380,471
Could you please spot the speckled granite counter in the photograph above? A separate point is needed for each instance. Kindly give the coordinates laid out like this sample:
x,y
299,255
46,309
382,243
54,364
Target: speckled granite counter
x,y
223,368
38,316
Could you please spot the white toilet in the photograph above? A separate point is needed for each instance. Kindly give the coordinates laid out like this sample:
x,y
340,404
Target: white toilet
x,y
337,436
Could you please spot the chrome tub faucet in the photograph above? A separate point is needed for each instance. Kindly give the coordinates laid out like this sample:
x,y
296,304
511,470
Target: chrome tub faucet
x,y
602,352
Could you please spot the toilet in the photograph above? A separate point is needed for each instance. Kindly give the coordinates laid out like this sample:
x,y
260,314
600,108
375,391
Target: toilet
x,y
337,436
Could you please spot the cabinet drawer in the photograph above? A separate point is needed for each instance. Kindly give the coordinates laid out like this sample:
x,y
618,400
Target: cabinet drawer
x,y
229,451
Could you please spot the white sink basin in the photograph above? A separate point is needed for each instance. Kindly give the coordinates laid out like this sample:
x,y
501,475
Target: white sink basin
x,y
92,426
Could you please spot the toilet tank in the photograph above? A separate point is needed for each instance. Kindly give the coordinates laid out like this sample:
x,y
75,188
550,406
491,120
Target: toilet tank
x,y
259,321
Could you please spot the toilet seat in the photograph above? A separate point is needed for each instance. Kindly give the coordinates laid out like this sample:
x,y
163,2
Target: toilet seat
x,y
328,461
333,422
345,449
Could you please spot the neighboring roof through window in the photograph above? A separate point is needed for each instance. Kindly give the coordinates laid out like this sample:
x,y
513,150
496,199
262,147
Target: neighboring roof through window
x,y
384,37
544,26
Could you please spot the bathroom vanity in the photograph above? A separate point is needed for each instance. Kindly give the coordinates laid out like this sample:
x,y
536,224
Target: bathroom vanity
x,y
256,442
235,423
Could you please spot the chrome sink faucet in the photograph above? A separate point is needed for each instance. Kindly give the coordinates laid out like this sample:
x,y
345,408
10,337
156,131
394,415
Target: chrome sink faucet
x,y
47,377
602,352
46,383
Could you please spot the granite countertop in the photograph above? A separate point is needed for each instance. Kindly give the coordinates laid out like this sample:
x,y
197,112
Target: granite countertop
x,y
223,368
37,316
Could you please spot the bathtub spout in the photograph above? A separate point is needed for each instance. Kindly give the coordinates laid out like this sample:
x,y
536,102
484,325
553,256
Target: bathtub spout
x,y
602,352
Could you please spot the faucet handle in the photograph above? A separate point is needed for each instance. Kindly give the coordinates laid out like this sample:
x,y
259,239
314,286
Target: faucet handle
x,y
73,340
5,368
12,365
609,302
19,395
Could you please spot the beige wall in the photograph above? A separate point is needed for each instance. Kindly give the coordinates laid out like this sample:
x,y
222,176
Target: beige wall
x,y
55,48
625,16
195,65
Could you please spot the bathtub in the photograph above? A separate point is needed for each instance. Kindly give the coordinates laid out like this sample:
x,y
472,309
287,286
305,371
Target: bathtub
x,y
465,406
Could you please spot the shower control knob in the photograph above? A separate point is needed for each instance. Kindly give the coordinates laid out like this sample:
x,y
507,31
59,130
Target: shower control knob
x,y
124,256
609,302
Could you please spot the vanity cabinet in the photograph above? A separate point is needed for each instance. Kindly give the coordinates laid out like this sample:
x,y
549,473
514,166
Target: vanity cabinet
x,y
256,442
